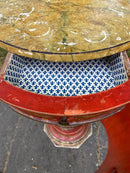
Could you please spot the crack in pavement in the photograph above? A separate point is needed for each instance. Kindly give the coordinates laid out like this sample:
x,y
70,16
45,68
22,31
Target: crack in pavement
x,y
11,145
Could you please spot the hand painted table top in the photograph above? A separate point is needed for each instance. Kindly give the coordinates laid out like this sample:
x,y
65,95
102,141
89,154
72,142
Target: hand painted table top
x,y
65,30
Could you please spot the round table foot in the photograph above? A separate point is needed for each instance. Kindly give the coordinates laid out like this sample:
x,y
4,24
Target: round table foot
x,y
68,136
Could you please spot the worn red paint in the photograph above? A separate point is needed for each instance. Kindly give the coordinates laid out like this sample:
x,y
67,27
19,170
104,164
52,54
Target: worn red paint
x,y
68,135
118,131
72,120
65,106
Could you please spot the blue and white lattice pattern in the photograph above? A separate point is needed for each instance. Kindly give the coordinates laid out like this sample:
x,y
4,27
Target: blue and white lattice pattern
x,y
66,78
118,69
15,70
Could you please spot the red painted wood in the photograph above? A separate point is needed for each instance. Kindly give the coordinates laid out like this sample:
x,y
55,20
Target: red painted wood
x,y
65,106
88,118
101,101
72,120
68,134
31,101
118,131
37,117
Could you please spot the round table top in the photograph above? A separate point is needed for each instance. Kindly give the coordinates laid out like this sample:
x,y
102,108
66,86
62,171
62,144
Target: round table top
x,y
65,30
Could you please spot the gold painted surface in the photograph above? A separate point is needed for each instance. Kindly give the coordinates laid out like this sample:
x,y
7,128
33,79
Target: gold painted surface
x,y
67,26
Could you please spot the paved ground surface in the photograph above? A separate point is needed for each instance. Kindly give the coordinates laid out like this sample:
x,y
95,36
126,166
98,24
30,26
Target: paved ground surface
x,y
25,148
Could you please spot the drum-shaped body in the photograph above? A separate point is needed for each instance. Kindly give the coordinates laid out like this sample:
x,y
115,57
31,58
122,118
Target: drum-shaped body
x,y
67,93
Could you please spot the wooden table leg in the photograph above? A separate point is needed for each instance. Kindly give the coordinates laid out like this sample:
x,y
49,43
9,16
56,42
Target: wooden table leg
x,y
118,131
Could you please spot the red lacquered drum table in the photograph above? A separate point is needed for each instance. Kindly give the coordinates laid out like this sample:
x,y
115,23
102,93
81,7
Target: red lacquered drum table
x,y
68,64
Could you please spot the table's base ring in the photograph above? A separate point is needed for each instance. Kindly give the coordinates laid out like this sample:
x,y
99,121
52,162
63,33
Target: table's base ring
x,y
68,137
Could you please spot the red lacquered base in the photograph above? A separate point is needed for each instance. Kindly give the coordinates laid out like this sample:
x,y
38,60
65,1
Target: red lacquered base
x,y
67,136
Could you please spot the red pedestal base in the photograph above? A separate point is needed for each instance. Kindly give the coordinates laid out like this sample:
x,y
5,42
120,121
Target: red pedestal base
x,y
67,136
